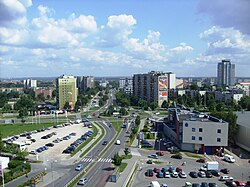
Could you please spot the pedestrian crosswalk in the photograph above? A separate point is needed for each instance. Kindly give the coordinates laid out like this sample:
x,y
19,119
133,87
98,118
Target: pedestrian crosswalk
x,y
88,159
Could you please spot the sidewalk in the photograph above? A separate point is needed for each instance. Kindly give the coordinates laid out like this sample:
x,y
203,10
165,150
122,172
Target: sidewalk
x,y
126,174
135,142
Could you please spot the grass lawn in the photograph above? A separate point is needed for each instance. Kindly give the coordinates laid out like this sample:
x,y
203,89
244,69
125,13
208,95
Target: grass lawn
x,y
117,123
123,166
157,162
193,155
127,157
18,128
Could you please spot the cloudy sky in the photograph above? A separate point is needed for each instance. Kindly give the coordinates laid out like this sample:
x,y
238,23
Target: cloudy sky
x,y
121,38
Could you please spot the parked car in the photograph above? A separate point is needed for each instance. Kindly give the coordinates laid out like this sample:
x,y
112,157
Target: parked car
x,y
225,178
155,156
79,167
178,169
193,174
177,156
160,153
182,174
160,175
33,152
204,184
149,173
231,183
240,183
208,174
82,181
212,184
215,173
174,174
225,171
167,174
49,145
201,160
196,185
202,174
164,185
157,170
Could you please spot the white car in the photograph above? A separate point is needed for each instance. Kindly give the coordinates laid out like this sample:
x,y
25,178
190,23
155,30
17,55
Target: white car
x,y
182,174
153,156
225,178
167,175
175,174
229,158
202,174
33,152
82,181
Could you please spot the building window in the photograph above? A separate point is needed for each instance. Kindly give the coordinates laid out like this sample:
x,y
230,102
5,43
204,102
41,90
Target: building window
x,y
200,129
218,130
193,137
218,140
193,129
200,138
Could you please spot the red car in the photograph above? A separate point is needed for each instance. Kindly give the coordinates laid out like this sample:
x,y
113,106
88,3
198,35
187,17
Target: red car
x,y
160,153
157,170
240,183
201,160
178,169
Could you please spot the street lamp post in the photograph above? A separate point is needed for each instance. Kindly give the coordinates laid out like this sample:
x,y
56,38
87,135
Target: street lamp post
x,y
159,144
52,171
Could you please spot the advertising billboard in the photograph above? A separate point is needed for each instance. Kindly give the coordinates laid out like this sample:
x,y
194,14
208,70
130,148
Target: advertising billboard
x,y
163,83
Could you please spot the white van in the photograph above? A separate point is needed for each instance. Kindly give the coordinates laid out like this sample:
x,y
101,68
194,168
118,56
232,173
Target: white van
x,y
229,158
118,142
154,184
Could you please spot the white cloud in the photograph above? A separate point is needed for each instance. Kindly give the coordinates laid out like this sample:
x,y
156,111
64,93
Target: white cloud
x,y
13,12
116,31
226,41
182,48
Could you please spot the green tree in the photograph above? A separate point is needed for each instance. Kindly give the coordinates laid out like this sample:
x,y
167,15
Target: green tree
x,y
66,106
41,97
153,105
78,105
194,87
126,151
164,104
25,101
117,159
123,111
220,107
54,93
245,102
137,120
1,143
22,154
143,104
23,112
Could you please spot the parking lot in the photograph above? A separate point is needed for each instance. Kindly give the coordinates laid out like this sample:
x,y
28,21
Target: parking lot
x,y
56,136
238,170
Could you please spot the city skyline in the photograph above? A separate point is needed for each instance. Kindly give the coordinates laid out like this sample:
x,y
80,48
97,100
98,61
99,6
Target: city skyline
x,y
117,38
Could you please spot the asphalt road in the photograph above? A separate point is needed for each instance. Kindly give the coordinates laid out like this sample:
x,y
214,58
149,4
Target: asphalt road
x,y
98,175
70,173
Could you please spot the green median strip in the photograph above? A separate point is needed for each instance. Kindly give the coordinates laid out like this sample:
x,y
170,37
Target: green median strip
x,y
122,166
98,139
92,164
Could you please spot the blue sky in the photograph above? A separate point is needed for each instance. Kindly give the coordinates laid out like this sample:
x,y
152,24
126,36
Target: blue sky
x,y
121,38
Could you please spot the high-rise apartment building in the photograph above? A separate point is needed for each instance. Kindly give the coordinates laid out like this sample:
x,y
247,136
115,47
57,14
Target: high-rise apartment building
x,y
66,91
126,85
153,86
84,82
225,73
29,83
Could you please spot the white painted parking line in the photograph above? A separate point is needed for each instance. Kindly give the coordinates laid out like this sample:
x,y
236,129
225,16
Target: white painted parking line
x,y
99,160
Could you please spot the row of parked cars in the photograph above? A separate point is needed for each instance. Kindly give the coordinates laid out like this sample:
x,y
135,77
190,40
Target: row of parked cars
x,y
76,143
